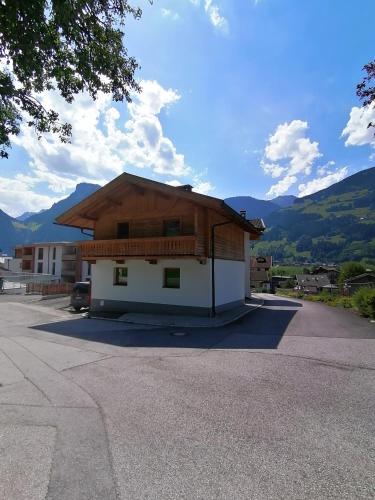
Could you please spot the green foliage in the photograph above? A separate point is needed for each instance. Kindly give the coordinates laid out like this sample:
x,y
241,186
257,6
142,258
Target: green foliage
x,y
69,46
281,270
364,301
327,298
365,91
348,270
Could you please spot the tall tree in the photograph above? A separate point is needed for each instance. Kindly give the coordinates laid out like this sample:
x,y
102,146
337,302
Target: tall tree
x,y
366,89
68,45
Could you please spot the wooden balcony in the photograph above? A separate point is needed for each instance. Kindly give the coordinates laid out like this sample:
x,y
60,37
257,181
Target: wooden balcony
x,y
168,246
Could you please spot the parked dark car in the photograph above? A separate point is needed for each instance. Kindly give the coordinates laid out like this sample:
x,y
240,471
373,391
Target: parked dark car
x,y
80,296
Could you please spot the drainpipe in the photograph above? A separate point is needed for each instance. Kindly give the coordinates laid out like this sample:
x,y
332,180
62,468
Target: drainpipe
x,y
213,298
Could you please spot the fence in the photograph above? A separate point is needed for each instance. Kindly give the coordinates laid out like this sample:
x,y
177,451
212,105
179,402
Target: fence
x,y
49,288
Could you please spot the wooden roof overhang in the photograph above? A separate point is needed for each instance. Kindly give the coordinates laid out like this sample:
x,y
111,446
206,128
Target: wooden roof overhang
x,y
84,214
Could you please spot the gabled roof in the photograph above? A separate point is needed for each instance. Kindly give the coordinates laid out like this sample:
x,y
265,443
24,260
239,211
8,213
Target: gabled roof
x,y
361,277
312,280
84,214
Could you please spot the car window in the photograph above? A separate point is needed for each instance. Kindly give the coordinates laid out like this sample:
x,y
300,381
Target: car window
x,y
81,288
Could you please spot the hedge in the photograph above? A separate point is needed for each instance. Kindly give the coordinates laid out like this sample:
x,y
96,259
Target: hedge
x,y
364,301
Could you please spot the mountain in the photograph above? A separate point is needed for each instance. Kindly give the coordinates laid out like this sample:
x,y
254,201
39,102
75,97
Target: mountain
x,y
254,208
334,224
42,224
284,201
39,226
25,216
8,232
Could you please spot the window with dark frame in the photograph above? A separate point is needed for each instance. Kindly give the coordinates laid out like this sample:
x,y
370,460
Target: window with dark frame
x,y
123,230
120,276
172,227
172,277
54,253
40,253
40,267
53,268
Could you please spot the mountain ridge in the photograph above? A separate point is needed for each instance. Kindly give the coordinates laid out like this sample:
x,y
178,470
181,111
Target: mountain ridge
x,y
336,223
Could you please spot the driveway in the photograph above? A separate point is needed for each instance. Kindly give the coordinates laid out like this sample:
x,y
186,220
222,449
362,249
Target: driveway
x,y
278,405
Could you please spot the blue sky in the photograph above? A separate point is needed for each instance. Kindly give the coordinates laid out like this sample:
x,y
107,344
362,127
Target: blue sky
x,y
242,97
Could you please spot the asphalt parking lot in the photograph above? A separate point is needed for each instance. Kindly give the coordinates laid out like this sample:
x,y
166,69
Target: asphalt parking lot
x,y
277,405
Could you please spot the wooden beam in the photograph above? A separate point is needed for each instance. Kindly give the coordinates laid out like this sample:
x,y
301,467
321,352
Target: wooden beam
x,y
89,217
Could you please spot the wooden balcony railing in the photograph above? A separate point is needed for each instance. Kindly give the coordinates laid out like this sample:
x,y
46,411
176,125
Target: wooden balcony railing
x,y
139,247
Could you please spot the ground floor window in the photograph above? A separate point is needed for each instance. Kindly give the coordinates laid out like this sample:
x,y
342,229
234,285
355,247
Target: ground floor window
x,y
120,276
40,267
172,277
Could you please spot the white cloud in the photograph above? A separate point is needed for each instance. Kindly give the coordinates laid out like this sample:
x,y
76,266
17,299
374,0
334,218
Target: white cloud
x,y
282,186
289,154
102,147
202,187
325,169
272,169
16,197
215,17
357,132
170,14
322,182
174,183
289,143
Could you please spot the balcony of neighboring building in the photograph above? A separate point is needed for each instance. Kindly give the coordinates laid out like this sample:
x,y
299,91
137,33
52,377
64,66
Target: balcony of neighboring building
x,y
27,253
26,265
69,253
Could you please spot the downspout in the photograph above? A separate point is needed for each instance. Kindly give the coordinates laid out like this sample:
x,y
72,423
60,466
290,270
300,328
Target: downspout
x,y
213,297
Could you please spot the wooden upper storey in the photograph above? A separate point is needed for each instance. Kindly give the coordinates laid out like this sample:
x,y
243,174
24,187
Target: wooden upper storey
x,y
138,218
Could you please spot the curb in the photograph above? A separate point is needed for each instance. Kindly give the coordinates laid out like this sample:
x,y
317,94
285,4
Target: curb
x,y
160,325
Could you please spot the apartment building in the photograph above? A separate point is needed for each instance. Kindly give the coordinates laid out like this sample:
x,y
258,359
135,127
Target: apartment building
x,y
59,259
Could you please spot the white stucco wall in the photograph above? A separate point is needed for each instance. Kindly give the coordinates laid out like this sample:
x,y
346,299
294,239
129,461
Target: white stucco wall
x,y
58,261
15,265
48,259
44,261
145,282
229,281
247,264
85,275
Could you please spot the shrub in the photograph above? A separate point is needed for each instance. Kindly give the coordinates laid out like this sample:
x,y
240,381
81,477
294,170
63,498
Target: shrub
x,y
364,300
346,302
348,270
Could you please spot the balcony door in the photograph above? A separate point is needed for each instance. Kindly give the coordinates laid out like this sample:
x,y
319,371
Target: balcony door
x,y
123,230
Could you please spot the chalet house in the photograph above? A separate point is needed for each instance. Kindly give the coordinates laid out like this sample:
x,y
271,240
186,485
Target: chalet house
x,y
163,249
260,271
365,280
332,273
312,283
59,259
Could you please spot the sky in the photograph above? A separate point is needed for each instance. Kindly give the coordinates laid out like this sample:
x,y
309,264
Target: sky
x,y
240,97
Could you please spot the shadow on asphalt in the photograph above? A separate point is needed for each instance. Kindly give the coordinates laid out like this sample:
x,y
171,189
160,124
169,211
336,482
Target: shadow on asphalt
x,y
281,303
262,329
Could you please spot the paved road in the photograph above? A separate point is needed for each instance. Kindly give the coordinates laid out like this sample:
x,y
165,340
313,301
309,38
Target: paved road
x,y
278,405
